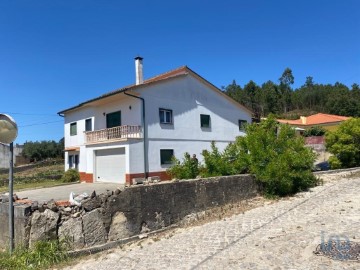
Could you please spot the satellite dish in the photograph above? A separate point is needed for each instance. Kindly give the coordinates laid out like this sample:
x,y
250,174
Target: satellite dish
x,y
8,129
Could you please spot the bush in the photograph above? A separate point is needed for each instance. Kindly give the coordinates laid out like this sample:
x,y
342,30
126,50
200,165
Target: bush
x,y
334,163
187,169
344,143
273,153
71,175
42,256
223,163
276,156
314,131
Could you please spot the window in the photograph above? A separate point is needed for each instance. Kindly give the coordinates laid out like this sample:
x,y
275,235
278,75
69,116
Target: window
x,y
71,161
166,156
113,119
73,129
242,124
76,158
165,116
205,120
74,162
88,124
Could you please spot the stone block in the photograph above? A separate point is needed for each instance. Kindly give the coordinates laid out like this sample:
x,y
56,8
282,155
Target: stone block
x,y
118,227
93,228
43,226
91,203
72,231
137,181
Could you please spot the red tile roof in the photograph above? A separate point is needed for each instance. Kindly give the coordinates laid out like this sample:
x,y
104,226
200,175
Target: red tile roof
x,y
316,119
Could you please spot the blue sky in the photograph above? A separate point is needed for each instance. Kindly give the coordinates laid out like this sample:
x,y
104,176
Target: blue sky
x,y
55,54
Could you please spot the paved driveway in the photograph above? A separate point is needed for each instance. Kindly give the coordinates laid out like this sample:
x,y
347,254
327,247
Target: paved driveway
x,y
63,192
282,235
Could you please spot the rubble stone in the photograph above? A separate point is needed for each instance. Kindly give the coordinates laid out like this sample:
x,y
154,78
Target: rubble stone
x,y
91,203
94,230
43,226
118,227
72,231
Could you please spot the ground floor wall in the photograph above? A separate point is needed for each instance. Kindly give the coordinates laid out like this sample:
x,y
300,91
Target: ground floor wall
x,y
134,156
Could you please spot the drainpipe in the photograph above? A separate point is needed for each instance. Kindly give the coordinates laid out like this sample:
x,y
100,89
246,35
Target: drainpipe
x,y
144,131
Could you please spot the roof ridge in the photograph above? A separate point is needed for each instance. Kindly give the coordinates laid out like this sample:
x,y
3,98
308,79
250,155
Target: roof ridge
x,y
165,73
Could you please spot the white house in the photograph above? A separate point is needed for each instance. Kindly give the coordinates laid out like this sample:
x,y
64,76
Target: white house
x,y
134,131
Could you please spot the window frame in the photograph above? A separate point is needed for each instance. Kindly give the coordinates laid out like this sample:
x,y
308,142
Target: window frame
x,y
71,160
164,112
74,161
202,125
107,119
86,124
73,133
166,162
241,124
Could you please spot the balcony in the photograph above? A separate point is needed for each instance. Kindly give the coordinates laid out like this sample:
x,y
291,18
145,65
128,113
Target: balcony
x,y
120,133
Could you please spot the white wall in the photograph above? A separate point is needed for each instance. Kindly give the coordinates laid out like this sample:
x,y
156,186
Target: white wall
x,y
96,112
188,97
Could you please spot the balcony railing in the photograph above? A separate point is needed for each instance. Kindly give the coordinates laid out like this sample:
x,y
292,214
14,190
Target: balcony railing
x,y
113,134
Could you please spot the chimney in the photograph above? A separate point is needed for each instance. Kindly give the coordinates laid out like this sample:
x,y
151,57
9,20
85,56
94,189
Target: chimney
x,y
139,70
303,120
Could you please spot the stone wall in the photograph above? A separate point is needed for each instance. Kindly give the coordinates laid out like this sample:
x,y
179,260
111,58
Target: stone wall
x,y
138,209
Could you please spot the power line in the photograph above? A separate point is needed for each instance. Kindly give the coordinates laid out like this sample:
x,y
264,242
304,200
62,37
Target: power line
x,y
43,114
38,124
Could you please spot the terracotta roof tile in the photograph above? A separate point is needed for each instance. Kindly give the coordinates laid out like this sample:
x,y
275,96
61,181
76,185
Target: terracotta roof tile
x,y
315,119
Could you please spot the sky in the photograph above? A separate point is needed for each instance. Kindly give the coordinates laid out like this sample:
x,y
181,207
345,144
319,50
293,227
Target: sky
x,y
56,54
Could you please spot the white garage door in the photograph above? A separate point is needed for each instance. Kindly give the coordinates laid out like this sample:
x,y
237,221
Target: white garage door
x,y
110,165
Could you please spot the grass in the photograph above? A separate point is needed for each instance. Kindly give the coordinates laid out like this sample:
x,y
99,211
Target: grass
x,y
38,177
42,256
33,185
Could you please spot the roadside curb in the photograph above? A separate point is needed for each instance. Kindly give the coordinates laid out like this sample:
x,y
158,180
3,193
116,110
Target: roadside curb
x,y
117,243
338,170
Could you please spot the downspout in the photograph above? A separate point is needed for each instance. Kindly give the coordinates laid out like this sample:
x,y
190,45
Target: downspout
x,y
144,128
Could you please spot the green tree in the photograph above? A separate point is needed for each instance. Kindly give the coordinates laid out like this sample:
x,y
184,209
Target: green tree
x,y
344,143
272,98
277,157
37,151
233,90
254,98
286,80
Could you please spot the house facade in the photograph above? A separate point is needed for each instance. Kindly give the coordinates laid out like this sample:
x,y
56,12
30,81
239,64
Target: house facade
x,y
134,131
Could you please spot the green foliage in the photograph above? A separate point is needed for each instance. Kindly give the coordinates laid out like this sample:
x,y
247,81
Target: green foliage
x,y
37,151
277,158
335,163
42,256
344,143
216,163
310,97
187,169
314,131
71,175
273,153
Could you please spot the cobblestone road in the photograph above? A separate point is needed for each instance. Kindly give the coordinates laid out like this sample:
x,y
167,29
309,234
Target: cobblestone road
x,y
282,235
